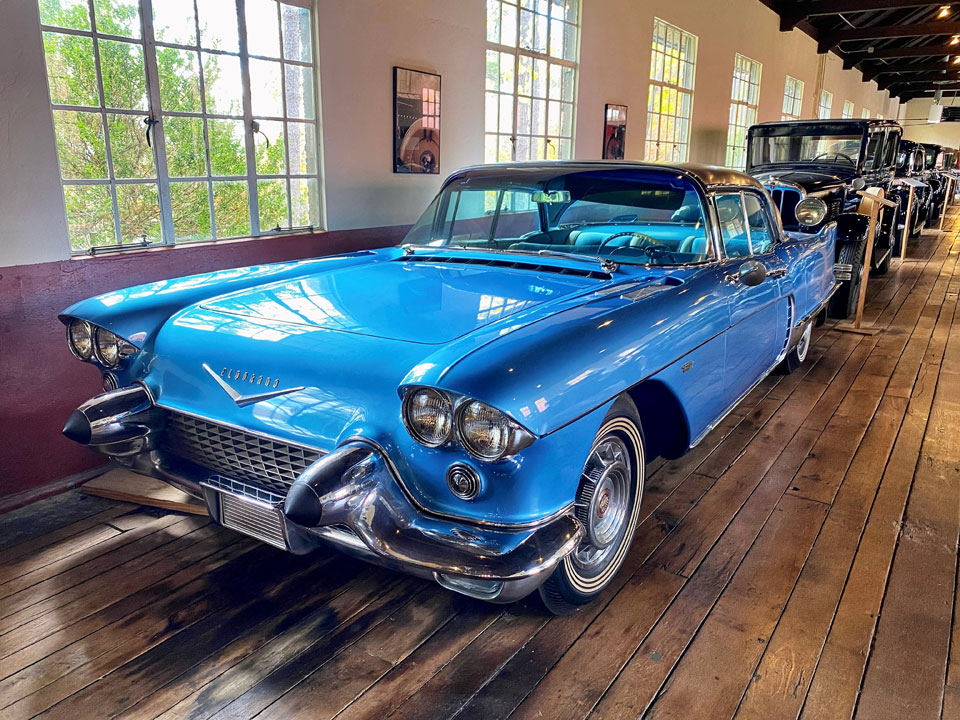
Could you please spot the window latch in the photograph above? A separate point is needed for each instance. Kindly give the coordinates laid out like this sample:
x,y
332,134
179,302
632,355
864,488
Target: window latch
x,y
149,122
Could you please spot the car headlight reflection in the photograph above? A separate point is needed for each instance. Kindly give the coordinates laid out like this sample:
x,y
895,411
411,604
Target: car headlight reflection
x,y
89,342
428,415
811,211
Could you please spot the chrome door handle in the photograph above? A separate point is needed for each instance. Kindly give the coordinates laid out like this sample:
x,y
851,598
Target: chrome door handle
x,y
778,273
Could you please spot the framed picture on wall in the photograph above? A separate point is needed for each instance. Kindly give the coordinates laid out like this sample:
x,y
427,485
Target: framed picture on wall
x,y
416,121
614,131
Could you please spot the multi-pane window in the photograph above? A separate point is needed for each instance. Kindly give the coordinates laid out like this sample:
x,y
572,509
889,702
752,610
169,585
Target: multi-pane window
x,y
865,114
531,79
792,99
847,109
879,116
673,64
824,104
182,119
743,108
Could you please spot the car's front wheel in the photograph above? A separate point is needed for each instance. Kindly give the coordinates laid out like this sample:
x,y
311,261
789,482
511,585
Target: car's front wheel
x,y
608,505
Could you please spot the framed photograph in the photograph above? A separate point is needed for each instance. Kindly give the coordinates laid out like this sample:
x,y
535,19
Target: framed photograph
x,y
614,131
416,121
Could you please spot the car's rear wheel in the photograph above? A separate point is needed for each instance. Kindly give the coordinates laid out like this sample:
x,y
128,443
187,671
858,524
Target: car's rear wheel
x,y
608,505
798,353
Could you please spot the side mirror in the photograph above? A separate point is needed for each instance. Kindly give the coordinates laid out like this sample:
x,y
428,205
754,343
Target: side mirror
x,y
752,273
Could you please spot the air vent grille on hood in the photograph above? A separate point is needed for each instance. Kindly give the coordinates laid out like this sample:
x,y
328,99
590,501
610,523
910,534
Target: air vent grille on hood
x,y
518,264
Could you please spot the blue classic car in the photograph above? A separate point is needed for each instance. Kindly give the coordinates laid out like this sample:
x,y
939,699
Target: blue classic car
x,y
478,405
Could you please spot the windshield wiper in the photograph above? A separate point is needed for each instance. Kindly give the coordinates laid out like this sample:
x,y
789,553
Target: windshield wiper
x,y
605,263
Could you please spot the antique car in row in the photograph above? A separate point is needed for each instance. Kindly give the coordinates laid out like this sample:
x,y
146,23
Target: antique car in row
x,y
935,164
478,405
814,169
912,167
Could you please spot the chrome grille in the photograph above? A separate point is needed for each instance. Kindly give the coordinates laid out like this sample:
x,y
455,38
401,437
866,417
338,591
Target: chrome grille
x,y
264,463
252,518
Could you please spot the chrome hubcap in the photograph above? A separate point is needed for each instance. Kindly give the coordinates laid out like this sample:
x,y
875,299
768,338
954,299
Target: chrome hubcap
x,y
803,345
603,501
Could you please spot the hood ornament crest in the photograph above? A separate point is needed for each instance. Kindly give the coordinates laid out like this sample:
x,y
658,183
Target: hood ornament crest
x,y
252,378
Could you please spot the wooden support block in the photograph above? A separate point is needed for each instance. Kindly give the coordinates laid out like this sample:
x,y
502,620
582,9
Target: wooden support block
x,y
852,328
130,487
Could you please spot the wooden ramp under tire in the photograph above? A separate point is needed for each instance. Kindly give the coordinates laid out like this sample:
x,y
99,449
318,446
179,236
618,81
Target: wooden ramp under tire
x,y
121,484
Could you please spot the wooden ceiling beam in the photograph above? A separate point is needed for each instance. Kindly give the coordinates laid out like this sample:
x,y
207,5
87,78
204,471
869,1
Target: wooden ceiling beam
x,y
851,60
792,13
830,40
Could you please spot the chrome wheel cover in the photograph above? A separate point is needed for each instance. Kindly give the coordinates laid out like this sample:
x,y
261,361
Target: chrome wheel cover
x,y
604,503
803,344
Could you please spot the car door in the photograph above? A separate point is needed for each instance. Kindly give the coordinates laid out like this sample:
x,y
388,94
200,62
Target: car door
x,y
759,315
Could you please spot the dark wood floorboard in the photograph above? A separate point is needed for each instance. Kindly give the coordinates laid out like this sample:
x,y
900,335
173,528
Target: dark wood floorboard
x,y
801,562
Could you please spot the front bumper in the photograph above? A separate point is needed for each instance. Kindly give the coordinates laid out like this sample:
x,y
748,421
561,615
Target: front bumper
x,y
350,497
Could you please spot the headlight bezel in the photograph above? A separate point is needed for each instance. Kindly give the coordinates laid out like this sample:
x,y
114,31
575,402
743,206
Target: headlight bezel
x,y
99,335
518,437
468,443
71,343
816,205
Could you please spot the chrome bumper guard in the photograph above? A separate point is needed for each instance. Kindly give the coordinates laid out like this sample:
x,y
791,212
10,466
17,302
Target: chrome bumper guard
x,y
349,497
842,271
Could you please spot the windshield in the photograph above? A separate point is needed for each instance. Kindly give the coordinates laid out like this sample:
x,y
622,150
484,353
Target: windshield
x,y
807,148
634,216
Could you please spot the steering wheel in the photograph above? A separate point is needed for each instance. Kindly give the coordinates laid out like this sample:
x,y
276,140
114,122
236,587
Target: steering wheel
x,y
651,247
837,155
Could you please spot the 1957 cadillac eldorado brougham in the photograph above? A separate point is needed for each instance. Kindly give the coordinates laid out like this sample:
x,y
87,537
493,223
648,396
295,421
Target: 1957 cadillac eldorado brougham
x,y
476,406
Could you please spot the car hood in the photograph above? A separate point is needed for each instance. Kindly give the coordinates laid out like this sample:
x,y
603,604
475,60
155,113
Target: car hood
x,y
341,342
419,301
810,179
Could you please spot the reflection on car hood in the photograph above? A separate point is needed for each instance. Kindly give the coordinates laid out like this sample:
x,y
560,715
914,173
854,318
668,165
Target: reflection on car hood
x,y
427,303
810,179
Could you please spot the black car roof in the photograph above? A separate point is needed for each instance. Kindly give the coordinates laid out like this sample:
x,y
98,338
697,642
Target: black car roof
x,y
707,175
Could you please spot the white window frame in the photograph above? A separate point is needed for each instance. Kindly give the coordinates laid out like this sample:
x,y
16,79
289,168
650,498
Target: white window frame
x,y
847,111
792,99
824,105
865,114
155,112
744,106
503,99
673,68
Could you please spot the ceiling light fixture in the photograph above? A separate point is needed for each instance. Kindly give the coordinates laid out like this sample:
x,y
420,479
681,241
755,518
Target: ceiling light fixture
x,y
944,11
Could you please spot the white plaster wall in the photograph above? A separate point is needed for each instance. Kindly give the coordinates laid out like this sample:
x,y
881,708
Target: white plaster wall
x,y
33,223
359,43
615,67
913,117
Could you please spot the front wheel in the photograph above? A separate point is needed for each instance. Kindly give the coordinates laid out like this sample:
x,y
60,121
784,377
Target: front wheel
x,y
608,505
844,302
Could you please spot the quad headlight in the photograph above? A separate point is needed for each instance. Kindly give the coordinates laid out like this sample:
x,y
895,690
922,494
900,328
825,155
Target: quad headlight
x,y
428,415
811,211
89,342
433,419
80,339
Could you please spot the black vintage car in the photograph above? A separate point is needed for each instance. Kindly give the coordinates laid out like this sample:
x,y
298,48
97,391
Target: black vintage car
x,y
935,164
912,163
803,161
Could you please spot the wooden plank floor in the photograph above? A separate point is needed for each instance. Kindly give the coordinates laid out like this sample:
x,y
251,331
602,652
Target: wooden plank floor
x,y
800,563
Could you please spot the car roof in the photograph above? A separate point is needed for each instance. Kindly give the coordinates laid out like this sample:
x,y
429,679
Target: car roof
x,y
852,122
706,175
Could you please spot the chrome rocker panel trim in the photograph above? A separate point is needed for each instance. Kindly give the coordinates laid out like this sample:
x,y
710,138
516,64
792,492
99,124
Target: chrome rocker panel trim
x,y
349,497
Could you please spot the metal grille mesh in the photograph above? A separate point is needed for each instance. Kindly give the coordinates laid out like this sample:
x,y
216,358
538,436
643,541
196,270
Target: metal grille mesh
x,y
252,519
262,462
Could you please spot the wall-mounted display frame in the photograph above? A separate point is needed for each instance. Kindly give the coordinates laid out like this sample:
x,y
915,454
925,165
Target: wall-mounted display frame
x,y
614,131
416,121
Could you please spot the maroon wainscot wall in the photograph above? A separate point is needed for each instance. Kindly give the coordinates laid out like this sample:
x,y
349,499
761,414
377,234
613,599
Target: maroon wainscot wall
x,y
41,382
